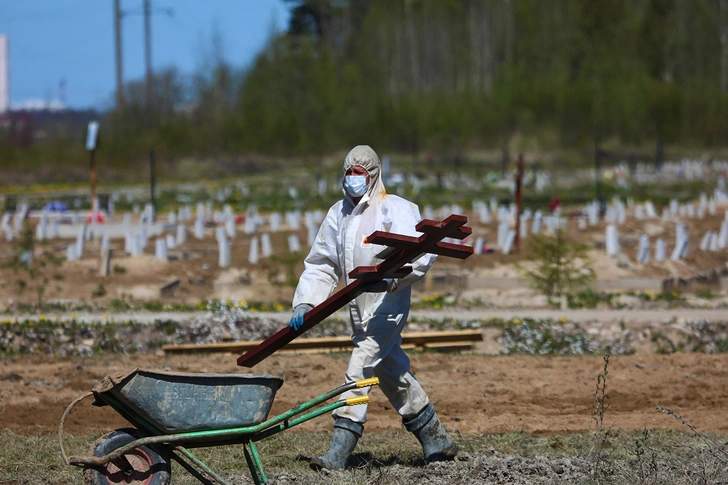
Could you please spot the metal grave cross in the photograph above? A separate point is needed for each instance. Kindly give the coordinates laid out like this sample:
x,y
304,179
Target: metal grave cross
x,y
401,250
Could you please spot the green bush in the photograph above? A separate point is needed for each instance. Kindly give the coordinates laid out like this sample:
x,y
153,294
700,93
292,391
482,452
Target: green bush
x,y
561,266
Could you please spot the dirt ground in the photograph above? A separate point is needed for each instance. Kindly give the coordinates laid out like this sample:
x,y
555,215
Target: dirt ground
x,y
472,393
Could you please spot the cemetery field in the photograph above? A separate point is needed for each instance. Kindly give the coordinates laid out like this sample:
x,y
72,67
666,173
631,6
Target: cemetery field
x,y
535,401
259,266
518,419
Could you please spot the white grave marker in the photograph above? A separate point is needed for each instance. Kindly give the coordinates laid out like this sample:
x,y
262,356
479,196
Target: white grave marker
x,y
265,244
643,251
612,241
510,239
253,256
723,235
293,245
104,243
199,229
223,247
536,224
705,241
160,249
181,235
478,247
79,241
230,227
71,253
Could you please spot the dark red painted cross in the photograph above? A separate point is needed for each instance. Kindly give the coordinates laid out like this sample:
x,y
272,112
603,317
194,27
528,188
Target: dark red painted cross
x,y
401,250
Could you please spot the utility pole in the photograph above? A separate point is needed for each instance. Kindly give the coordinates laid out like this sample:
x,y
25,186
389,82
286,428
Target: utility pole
x,y
117,35
152,182
148,49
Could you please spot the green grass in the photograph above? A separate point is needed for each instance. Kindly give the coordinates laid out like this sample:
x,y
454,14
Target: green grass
x,y
648,456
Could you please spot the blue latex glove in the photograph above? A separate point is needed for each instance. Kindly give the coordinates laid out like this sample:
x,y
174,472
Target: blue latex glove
x,y
377,286
298,313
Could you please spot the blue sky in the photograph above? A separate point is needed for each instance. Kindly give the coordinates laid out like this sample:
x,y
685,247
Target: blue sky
x,y
73,40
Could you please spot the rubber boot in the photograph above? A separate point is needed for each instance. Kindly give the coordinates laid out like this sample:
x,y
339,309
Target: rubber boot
x,y
346,435
436,443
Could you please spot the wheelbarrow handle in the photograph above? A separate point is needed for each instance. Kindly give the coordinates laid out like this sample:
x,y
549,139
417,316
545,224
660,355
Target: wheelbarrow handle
x,y
372,381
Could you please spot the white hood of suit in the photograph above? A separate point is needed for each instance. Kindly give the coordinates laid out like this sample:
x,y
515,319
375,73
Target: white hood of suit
x,y
364,156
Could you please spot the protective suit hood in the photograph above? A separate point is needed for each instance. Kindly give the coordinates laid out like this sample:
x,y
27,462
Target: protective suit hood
x,y
364,156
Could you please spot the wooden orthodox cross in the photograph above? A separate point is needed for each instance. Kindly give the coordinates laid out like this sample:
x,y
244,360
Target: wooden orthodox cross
x,y
401,250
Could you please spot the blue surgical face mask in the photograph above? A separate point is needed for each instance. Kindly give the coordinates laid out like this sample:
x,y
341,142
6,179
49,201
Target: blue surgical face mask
x,y
355,185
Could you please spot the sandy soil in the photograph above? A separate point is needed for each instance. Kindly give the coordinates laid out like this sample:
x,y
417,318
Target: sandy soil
x,y
472,393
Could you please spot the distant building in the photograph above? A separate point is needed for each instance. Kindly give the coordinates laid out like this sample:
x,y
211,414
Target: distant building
x,y
37,104
4,74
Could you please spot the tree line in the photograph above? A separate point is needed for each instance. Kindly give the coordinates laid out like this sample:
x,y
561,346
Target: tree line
x,y
411,76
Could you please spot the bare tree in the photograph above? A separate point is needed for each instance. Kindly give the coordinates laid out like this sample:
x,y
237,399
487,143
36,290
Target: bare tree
x,y
723,34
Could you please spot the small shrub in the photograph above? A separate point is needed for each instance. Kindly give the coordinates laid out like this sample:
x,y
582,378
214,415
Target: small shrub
x,y
169,327
721,345
561,267
118,305
118,269
99,291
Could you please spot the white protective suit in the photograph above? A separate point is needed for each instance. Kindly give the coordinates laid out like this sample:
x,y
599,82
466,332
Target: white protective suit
x,y
377,318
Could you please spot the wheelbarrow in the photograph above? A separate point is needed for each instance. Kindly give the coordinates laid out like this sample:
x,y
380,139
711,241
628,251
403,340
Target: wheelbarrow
x,y
172,413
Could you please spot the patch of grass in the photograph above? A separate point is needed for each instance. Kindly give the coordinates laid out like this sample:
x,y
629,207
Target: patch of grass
x,y
706,294
721,345
118,305
588,298
669,296
647,456
436,302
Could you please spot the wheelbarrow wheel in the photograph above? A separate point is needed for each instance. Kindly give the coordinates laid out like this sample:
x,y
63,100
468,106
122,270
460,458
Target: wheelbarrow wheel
x,y
148,465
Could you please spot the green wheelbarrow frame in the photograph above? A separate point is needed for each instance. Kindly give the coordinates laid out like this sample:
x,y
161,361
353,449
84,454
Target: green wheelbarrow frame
x,y
178,444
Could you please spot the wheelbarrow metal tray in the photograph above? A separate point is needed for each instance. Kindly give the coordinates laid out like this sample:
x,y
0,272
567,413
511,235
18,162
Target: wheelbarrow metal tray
x,y
181,402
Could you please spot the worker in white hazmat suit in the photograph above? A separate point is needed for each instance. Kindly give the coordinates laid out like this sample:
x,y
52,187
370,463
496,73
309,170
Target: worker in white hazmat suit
x,y
378,315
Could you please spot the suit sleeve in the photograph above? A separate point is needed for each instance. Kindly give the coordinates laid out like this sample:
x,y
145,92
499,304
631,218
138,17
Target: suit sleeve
x,y
321,271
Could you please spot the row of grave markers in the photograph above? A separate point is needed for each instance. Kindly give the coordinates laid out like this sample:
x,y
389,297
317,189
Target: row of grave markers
x,y
226,221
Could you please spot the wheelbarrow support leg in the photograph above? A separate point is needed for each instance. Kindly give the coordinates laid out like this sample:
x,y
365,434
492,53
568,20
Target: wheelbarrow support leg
x,y
253,466
193,471
258,462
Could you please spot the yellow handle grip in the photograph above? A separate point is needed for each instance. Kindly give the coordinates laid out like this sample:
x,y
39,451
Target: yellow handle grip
x,y
372,381
353,401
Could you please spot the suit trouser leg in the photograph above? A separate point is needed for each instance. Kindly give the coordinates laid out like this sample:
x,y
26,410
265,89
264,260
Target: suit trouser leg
x,y
395,380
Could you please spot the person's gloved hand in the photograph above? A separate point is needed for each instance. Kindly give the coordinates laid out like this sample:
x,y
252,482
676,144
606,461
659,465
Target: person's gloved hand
x,y
377,286
298,313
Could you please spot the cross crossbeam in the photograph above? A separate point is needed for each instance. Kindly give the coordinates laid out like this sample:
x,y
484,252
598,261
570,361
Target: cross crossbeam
x,y
401,251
